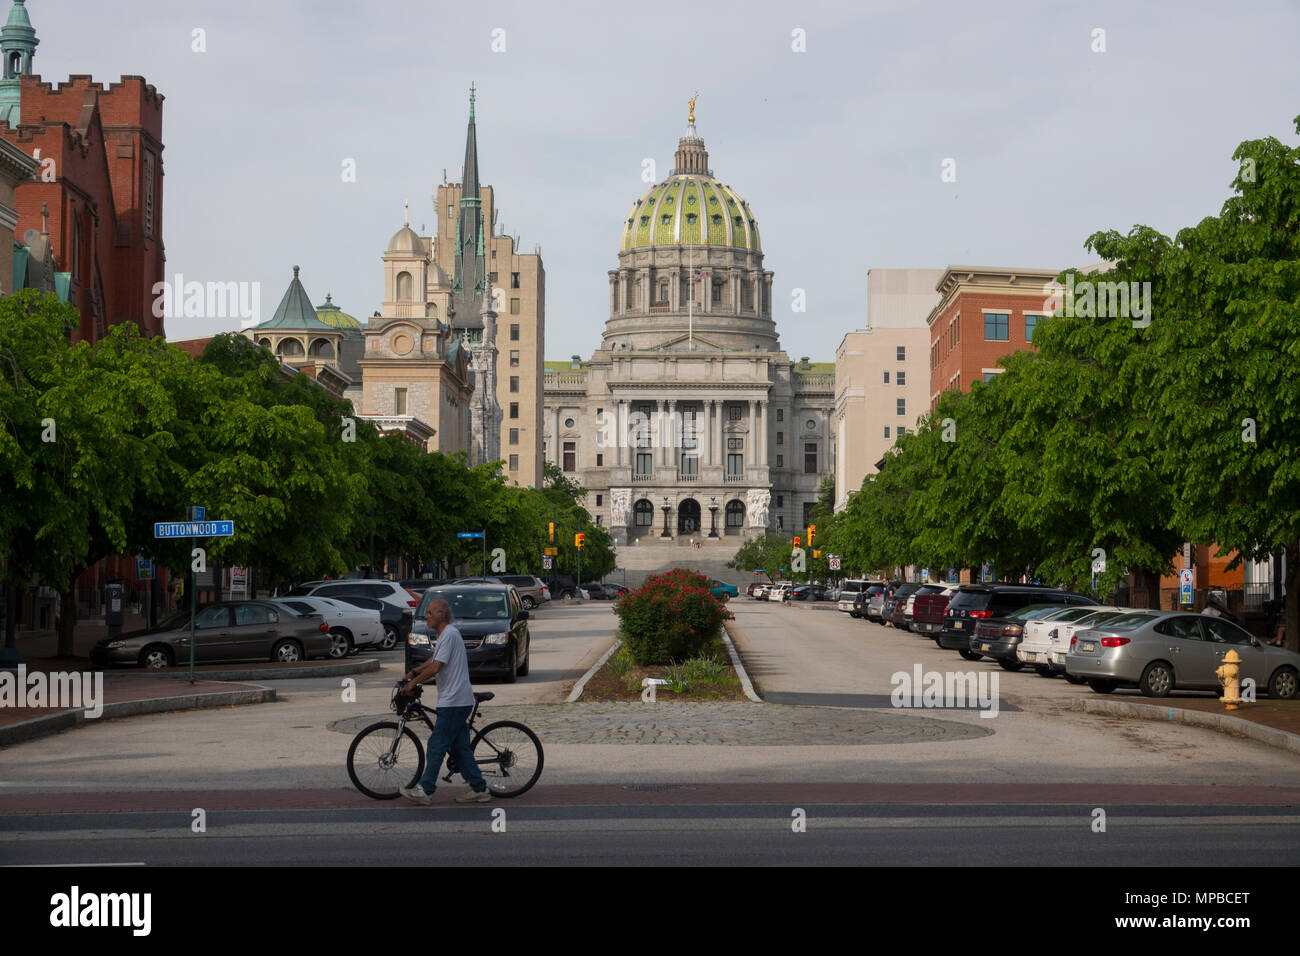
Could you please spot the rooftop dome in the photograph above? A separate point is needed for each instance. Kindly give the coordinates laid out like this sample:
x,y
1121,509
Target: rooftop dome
x,y
406,241
333,316
691,207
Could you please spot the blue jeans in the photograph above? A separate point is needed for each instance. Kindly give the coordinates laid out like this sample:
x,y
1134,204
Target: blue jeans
x,y
451,733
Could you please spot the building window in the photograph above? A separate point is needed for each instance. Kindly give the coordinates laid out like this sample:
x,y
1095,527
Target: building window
x,y
404,287
734,412
514,358
643,513
735,444
148,189
600,500
514,383
514,462
717,293
810,459
886,431
735,464
514,333
780,461
780,414
598,521
399,401
996,327
492,279
735,513
514,436
886,378
514,306
643,465
780,438
902,378
1031,323
807,513
690,464
514,409
902,353
600,460
570,455
514,280
902,430
990,376
902,406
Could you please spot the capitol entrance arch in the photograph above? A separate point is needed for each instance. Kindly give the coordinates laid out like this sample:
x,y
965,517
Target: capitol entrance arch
x,y
688,517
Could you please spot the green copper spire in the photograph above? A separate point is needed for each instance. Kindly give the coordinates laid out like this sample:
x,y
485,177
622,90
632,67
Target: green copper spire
x,y
469,282
18,41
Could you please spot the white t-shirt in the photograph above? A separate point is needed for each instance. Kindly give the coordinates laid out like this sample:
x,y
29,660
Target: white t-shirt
x,y
454,688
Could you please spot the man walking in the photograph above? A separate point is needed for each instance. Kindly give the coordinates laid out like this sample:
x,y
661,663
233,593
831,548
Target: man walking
x,y
455,702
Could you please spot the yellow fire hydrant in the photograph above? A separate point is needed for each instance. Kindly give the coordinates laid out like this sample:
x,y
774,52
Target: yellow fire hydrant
x,y
1227,675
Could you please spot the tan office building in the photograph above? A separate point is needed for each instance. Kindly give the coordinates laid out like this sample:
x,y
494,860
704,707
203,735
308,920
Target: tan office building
x,y
882,373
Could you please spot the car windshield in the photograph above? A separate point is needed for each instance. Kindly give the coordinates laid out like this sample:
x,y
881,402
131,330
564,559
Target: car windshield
x,y
1122,620
469,604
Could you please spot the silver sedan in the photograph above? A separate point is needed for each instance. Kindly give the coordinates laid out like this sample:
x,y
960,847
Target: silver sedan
x,y
350,627
1162,651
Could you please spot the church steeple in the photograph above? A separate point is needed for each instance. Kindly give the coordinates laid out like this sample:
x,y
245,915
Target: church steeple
x,y
18,42
469,284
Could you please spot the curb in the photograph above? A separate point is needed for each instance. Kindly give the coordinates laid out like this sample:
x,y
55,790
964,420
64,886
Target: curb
x,y
69,719
745,682
365,665
591,672
1236,726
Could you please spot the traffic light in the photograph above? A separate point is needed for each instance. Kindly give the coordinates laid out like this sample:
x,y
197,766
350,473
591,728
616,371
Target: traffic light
x,y
816,554
578,539
812,530
796,541
550,531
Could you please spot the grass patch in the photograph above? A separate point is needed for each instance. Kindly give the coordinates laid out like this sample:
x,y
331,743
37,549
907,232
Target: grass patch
x,y
707,676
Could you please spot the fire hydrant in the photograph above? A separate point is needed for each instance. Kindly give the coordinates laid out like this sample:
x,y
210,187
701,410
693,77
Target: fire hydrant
x,y
1227,675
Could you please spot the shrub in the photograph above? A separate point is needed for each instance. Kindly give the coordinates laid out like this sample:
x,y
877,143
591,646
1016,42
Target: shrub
x,y
671,617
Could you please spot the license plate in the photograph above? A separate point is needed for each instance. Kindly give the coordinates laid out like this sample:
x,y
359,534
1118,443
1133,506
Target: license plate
x,y
1031,656
984,647
956,625
1087,647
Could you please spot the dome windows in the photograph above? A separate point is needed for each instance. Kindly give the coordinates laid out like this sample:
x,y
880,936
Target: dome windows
x,y
691,199
717,219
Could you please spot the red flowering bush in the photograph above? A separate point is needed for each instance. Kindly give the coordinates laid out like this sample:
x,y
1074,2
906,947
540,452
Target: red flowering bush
x,y
671,617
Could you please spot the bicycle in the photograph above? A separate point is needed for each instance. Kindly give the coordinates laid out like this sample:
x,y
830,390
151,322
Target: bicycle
x,y
508,753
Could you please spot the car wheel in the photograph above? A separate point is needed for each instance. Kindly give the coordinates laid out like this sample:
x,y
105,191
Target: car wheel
x,y
512,669
1100,686
529,603
340,644
1075,679
523,668
391,638
156,657
1283,685
1157,680
969,655
1044,672
286,652
1011,665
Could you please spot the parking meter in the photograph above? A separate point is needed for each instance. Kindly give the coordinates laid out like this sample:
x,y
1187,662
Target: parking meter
x,y
113,609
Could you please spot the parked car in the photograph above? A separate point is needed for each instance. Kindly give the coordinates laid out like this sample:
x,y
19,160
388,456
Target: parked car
x,y
898,615
397,623
480,579
491,618
760,591
723,591
987,602
350,627
616,591
809,592
223,632
564,588
928,608
1046,640
999,637
596,591
417,586
390,592
875,610
532,590
779,591
848,597
1162,651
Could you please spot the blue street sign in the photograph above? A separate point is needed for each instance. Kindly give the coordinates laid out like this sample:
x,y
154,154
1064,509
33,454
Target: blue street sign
x,y
143,569
198,513
193,529
469,534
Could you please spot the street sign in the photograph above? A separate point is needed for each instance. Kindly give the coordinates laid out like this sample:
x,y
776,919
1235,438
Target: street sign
x,y
469,534
193,529
143,569
197,513
925,575
546,563
835,564
1186,579
239,580
551,551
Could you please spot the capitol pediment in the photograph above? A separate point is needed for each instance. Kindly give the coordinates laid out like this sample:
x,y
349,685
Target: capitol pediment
x,y
687,343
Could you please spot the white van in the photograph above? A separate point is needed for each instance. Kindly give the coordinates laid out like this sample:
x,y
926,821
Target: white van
x,y
849,592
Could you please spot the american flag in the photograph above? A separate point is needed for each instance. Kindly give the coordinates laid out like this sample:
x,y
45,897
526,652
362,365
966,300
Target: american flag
x,y
699,274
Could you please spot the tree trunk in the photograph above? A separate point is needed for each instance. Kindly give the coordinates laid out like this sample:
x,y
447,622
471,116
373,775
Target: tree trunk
x,y
1292,612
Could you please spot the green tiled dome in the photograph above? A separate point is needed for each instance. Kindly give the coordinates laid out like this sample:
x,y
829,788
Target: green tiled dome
x,y
331,314
691,209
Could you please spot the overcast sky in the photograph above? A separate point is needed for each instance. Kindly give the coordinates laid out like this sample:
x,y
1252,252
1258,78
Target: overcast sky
x,y
839,149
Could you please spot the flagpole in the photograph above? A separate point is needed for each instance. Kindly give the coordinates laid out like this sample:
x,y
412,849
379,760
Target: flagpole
x,y
690,301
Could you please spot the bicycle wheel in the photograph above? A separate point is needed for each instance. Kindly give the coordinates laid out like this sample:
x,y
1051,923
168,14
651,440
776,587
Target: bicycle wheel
x,y
509,756
378,765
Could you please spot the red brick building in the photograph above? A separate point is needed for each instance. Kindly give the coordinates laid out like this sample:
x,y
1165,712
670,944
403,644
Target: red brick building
x,y
982,314
98,192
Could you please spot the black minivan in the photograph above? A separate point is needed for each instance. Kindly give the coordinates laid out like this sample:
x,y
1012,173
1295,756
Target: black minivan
x,y
974,604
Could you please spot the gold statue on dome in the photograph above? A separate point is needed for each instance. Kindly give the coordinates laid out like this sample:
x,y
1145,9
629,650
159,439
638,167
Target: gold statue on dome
x,y
691,118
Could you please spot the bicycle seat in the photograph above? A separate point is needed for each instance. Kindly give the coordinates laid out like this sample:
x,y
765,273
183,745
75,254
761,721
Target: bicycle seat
x,y
481,696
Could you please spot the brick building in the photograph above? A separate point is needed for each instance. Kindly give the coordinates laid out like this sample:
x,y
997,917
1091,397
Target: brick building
x,y
98,191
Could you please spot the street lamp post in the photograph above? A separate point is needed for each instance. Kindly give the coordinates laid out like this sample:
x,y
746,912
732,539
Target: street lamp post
x,y
666,510
713,517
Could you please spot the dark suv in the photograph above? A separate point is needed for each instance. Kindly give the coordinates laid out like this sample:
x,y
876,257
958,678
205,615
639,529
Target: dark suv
x,y
974,604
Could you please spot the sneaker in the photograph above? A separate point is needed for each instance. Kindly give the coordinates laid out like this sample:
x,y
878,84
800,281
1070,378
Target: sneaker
x,y
417,794
474,796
